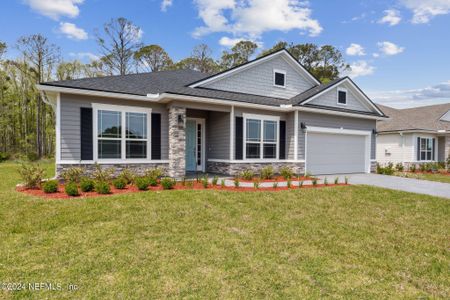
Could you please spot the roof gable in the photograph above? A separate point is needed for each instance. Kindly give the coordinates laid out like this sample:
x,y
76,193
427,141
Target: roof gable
x,y
257,77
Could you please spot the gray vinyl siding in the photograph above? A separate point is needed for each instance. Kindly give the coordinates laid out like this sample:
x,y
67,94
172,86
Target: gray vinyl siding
x,y
70,122
290,135
330,99
218,135
258,80
330,121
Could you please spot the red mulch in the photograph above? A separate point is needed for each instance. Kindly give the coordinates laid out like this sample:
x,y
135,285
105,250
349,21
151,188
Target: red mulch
x,y
277,179
132,189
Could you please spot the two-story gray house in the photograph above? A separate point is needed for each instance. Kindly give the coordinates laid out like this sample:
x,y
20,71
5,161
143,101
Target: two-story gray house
x,y
269,111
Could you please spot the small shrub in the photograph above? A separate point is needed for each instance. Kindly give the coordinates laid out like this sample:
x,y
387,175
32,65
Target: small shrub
x,y
32,156
325,181
336,180
4,156
205,182
50,186
413,168
152,181
190,184
236,182
275,185
399,167
286,172
154,172
215,180
247,174
86,185
346,180
120,183
142,183
73,174
423,168
101,174
314,182
267,172
222,183
31,175
386,170
256,183
71,189
447,162
289,183
128,175
197,177
168,183
300,183
102,187
183,181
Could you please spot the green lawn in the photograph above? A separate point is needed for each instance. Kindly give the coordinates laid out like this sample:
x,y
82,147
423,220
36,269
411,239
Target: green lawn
x,y
426,176
341,242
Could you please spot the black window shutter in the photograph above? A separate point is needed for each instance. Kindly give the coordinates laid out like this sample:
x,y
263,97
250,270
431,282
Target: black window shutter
x,y
239,138
86,133
156,136
418,149
432,149
282,140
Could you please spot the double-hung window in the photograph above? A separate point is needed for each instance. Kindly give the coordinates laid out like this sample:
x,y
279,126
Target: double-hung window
x,y
426,148
261,137
122,132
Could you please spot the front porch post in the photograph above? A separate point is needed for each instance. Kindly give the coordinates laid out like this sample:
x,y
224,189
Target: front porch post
x,y
177,141
446,147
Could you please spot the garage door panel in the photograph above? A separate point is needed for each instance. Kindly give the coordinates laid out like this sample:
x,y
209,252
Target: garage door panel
x,y
335,153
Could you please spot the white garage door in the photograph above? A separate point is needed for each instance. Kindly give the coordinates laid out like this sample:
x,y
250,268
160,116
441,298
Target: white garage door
x,y
335,153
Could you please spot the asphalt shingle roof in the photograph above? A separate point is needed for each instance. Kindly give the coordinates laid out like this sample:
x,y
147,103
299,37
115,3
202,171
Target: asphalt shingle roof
x,y
417,118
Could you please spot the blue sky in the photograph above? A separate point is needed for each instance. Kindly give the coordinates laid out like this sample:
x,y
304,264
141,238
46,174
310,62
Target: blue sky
x,y
399,49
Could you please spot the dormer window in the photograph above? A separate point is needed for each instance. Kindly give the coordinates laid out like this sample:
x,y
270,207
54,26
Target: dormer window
x,y
342,96
279,78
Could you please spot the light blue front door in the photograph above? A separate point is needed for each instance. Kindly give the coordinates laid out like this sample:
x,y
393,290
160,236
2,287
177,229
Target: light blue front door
x,y
191,148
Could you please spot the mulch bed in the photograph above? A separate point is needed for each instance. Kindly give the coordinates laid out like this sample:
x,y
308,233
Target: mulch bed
x,y
132,189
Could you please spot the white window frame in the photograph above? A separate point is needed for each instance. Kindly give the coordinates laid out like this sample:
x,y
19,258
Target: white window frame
x,y
123,110
428,139
285,78
346,96
261,118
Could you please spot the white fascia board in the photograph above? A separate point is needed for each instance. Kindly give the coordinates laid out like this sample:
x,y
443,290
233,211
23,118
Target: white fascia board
x,y
337,130
253,63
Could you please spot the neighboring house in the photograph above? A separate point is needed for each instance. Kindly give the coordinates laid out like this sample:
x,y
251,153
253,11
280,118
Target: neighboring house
x,y
270,111
414,135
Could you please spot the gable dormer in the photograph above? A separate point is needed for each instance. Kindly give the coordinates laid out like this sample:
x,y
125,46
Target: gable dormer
x,y
276,75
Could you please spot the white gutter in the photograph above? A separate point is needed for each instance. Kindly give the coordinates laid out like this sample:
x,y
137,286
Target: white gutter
x,y
167,97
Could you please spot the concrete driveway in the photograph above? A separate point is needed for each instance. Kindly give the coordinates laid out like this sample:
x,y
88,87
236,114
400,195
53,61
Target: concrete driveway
x,y
426,187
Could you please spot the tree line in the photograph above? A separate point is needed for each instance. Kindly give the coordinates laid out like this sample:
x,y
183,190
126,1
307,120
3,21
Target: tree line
x,y
27,123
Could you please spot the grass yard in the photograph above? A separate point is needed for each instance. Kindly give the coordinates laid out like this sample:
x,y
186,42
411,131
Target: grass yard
x,y
425,176
339,242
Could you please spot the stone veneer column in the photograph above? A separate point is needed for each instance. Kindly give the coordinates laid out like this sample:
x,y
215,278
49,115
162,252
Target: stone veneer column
x,y
177,142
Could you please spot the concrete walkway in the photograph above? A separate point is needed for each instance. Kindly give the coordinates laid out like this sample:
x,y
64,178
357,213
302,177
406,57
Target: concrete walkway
x,y
426,187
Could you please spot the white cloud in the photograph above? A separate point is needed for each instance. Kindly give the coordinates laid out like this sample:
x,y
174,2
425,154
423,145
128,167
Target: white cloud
x,y
166,4
391,17
439,93
376,55
389,48
56,8
251,18
425,10
229,42
85,55
72,31
355,50
360,68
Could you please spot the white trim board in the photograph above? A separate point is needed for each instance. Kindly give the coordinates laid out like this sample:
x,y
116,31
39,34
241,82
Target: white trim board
x,y
111,161
256,161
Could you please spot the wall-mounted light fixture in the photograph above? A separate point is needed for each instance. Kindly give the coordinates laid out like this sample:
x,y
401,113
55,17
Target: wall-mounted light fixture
x,y
180,121
302,125
374,131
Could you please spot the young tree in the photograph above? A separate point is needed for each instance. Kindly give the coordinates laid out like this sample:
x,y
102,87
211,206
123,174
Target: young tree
x,y
153,58
201,56
41,56
70,70
240,54
2,49
118,43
